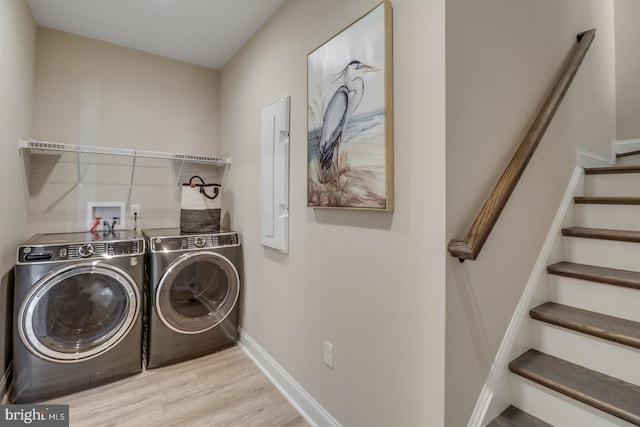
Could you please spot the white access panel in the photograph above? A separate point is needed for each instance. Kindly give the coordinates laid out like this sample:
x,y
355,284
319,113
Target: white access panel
x,y
274,176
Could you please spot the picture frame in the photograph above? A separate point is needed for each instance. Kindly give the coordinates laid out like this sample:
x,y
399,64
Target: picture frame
x,y
350,116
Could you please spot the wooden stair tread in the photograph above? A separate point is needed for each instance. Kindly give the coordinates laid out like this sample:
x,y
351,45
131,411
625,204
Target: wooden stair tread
x,y
615,329
602,233
514,417
601,391
606,200
612,170
592,273
628,153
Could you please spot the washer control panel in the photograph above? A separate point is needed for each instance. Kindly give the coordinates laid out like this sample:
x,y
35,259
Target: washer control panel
x,y
186,242
50,253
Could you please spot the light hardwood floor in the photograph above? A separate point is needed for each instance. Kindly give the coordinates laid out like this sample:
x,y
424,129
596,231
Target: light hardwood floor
x,y
221,389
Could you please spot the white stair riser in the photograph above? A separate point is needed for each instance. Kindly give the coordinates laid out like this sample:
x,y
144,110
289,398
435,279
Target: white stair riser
x,y
620,184
619,217
599,297
604,253
557,409
590,352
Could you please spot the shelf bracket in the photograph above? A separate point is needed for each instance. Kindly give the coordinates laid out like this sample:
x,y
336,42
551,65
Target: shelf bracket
x,y
78,167
180,173
133,172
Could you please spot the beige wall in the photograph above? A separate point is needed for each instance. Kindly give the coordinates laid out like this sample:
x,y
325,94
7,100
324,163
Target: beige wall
x,y
92,93
370,283
502,58
17,55
627,13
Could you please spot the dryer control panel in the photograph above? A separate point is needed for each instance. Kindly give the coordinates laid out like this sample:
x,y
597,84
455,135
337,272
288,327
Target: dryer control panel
x,y
190,242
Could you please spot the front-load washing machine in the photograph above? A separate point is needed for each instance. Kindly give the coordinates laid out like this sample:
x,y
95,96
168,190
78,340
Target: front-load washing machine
x,y
194,285
78,306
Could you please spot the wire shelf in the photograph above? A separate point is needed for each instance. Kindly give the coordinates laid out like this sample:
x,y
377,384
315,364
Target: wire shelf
x,y
43,147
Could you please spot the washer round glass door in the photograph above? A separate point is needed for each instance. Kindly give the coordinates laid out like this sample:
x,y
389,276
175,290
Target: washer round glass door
x,y
76,313
197,292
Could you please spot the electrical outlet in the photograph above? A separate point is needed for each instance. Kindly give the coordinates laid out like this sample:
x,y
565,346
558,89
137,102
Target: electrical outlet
x,y
328,354
134,211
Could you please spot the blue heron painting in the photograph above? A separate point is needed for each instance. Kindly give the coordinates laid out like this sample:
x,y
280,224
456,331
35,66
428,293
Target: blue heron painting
x,y
349,115
341,107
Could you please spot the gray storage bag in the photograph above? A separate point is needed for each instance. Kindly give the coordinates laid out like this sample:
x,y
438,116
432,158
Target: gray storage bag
x,y
200,206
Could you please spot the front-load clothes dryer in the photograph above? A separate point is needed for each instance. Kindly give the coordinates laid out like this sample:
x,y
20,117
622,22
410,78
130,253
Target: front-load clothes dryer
x,y
194,285
78,305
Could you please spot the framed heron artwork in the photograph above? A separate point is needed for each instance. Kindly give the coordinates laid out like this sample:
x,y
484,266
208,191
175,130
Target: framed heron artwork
x,y
350,116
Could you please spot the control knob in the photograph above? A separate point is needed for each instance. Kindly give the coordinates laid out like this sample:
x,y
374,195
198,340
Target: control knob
x,y
199,241
86,250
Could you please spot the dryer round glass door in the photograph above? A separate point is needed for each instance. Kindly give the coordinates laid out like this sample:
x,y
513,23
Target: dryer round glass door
x,y
197,292
78,312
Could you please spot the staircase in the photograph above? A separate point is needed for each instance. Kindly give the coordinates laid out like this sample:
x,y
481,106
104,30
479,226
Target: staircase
x,y
583,364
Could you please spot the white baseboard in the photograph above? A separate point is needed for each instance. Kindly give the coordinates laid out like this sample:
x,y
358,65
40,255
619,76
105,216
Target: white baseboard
x,y
311,410
590,160
625,146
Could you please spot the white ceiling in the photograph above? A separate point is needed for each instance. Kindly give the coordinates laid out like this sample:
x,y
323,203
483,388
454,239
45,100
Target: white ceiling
x,y
202,32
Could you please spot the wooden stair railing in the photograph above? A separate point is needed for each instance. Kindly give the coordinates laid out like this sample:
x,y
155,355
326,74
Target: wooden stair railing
x,y
470,247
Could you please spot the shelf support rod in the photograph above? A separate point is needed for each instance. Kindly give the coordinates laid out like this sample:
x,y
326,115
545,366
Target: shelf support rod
x,y
133,172
180,173
78,167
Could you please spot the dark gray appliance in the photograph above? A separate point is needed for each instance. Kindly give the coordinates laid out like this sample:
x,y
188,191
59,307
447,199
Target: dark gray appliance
x,y
78,306
194,286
